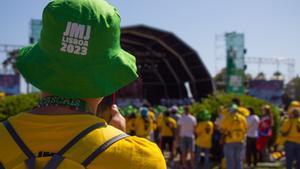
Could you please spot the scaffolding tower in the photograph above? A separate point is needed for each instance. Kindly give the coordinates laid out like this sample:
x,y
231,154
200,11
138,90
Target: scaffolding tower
x,y
220,57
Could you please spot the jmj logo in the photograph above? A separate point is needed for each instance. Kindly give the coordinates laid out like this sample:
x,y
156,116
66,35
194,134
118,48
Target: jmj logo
x,y
76,38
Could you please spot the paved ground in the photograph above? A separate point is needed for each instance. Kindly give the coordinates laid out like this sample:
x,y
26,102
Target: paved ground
x,y
260,166
269,165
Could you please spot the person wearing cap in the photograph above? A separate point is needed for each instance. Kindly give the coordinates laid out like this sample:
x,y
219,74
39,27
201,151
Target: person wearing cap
x,y
294,104
143,124
176,116
265,133
204,132
234,129
174,113
290,130
153,124
77,62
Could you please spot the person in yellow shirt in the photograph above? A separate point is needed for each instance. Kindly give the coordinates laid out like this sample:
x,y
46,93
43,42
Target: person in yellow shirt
x,y
217,149
159,111
290,129
76,63
204,132
153,124
130,124
2,95
294,104
143,124
159,119
234,128
167,133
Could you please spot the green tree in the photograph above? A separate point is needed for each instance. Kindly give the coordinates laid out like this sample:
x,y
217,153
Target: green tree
x,y
220,80
292,88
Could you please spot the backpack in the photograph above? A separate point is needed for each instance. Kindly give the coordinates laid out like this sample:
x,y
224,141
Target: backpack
x,y
237,128
66,157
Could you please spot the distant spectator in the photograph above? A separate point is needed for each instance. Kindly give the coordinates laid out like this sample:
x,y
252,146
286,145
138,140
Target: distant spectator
x,y
130,124
142,124
265,133
204,131
186,128
291,130
234,128
252,135
174,113
152,119
176,116
167,133
217,148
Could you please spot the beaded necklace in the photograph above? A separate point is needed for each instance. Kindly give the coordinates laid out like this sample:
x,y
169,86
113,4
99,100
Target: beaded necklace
x,y
73,104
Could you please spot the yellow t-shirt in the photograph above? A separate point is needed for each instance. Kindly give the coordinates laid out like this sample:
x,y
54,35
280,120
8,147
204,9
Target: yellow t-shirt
x,y
130,125
152,120
204,131
168,125
49,133
159,119
141,128
235,127
294,126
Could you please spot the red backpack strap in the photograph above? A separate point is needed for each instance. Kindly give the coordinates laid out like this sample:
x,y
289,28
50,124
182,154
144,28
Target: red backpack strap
x,y
30,163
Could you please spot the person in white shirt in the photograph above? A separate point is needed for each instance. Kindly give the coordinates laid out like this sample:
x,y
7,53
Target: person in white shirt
x,y
252,134
186,130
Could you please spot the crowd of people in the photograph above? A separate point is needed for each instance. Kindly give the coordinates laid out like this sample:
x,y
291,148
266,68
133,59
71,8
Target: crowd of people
x,y
236,136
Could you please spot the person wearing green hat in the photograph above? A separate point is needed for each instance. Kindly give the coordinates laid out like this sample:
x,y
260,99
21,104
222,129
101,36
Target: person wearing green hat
x,y
204,131
77,62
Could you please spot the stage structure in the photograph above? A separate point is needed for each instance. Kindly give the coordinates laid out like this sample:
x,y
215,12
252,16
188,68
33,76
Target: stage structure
x,y
166,65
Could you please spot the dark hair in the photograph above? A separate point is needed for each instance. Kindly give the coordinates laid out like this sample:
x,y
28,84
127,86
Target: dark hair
x,y
186,108
147,104
146,122
251,110
167,113
268,111
236,101
132,116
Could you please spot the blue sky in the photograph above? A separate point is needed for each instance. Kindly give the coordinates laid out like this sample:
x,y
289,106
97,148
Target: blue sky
x,y
271,27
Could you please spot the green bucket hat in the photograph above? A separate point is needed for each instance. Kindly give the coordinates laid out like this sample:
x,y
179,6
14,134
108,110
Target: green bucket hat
x,y
203,115
79,53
